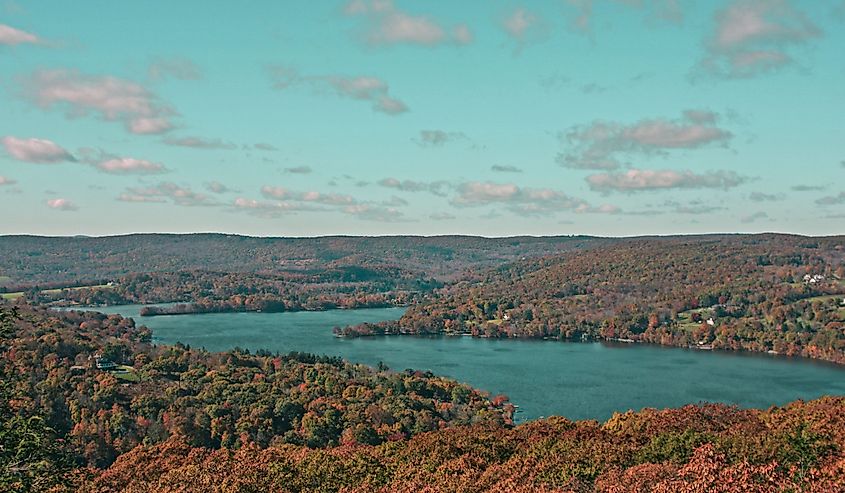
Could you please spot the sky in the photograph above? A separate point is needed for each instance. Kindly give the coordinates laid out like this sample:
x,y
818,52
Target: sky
x,y
375,117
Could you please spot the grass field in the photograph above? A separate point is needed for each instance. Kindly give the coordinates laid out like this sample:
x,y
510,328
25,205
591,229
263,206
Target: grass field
x,y
11,296
127,374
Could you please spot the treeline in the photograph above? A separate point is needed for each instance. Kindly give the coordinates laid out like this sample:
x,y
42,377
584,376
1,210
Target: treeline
x,y
90,417
214,292
711,448
31,260
735,292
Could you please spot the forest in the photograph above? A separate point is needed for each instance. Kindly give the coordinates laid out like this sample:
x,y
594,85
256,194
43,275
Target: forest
x,y
53,382
172,418
89,403
769,293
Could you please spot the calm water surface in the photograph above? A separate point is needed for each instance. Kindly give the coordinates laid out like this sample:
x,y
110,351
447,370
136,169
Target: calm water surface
x,y
576,380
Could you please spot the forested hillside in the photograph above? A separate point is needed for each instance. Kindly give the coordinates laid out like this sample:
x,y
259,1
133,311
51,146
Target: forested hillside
x,y
693,449
60,262
81,388
773,293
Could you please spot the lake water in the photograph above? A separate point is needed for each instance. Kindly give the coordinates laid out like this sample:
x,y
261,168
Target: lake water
x,y
576,380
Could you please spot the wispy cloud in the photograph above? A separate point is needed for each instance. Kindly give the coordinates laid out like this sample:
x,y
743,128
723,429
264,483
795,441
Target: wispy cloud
x,y
434,187
164,191
832,199
501,168
526,201
766,197
751,37
5,181
332,199
750,218
198,143
370,212
299,170
363,88
281,200
111,98
660,10
34,150
442,216
807,188
524,27
437,138
600,145
263,146
174,68
636,180
217,187
385,24
266,208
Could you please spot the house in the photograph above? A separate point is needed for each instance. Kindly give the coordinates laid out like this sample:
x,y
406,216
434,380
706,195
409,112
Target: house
x,y
104,364
813,279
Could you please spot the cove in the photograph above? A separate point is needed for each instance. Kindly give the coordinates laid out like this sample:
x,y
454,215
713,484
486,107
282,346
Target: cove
x,y
544,378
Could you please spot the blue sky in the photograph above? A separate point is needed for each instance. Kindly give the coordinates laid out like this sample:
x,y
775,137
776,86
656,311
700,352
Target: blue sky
x,y
605,117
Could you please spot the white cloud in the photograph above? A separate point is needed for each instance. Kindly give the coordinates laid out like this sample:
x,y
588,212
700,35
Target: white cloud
x,y
369,212
635,180
111,98
10,36
4,181
280,199
387,25
600,144
266,208
35,150
751,37
61,205
524,201
330,199
128,166
119,165
370,89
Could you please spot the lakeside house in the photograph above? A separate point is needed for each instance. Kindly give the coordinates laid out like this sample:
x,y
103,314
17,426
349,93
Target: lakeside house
x,y
104,364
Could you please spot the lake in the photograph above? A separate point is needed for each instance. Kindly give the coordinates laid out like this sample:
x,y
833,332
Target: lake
x,y
576,380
